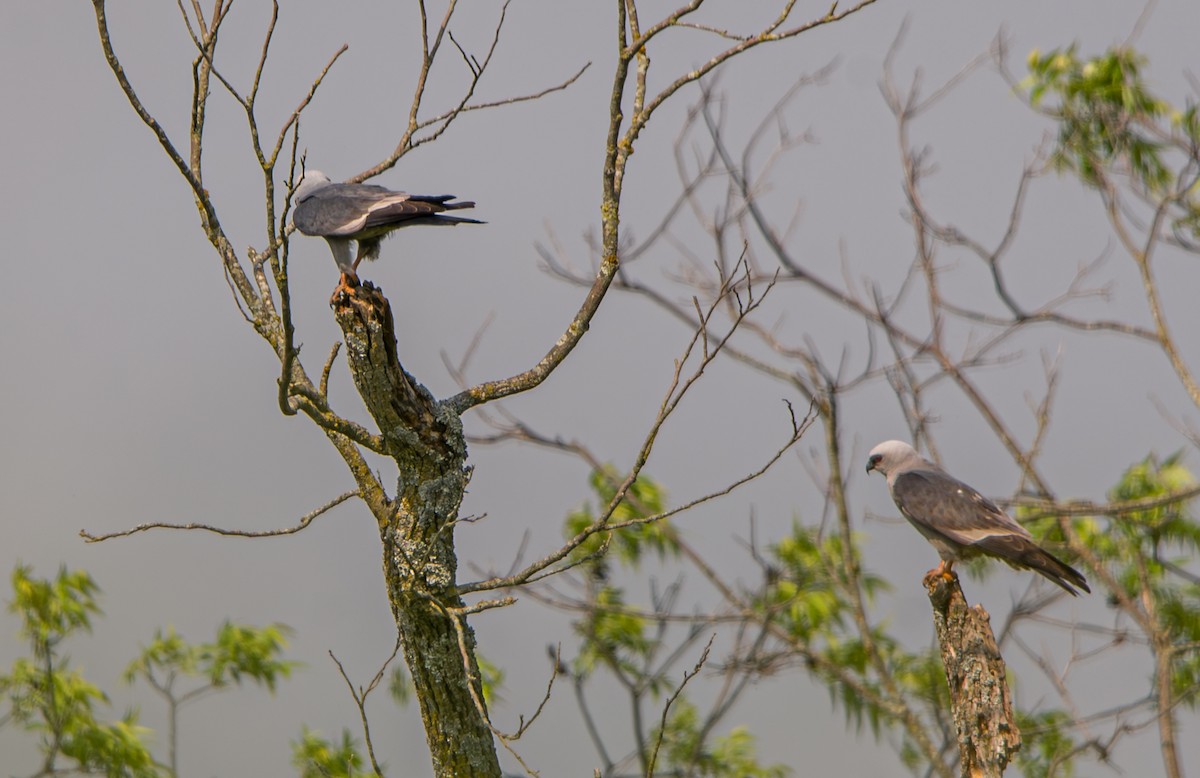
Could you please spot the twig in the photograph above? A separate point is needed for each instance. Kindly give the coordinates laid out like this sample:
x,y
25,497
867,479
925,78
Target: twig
x,y
360,700
662,727
305,520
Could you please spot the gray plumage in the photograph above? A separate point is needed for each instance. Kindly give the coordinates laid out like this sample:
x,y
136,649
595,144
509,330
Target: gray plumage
x,y
341,213
959,521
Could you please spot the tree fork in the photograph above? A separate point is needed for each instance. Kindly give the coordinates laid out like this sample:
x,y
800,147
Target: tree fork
x,y
425,439
975,672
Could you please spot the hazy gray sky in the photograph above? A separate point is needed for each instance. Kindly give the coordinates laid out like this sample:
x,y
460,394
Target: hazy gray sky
x,y
133,391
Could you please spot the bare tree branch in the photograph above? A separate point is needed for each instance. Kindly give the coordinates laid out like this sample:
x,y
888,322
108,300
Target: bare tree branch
x,y
305,520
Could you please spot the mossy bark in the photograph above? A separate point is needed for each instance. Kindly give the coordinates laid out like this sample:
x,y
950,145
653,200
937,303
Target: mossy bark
x,y
979,696
416,526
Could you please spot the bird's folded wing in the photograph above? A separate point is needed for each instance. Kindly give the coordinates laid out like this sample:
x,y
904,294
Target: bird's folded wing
x,y
398,208
332,216
950,508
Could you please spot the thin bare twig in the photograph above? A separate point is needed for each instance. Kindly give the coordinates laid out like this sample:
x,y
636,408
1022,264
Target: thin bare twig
x,y
662,726
360,700
305,520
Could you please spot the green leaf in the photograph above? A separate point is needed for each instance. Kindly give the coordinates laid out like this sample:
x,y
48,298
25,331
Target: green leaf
x,y
317,757
50,610
612,634
242,651
644,498
1048,747
239,652
115,750
1108,118
400,686
47,696
730,756
491,679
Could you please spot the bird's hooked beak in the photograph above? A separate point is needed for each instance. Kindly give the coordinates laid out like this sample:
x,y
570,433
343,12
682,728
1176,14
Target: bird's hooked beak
x,y
872,462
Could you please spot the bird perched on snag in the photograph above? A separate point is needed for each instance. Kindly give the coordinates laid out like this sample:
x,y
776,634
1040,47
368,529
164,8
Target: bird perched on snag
x,y
364,213
960,522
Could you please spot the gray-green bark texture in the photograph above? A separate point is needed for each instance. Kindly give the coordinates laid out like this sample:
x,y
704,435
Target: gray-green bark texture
x,y
417,529
979,695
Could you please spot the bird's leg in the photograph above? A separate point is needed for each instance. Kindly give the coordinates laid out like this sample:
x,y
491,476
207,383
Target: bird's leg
x,y
368,248
363,249
941,571
347,283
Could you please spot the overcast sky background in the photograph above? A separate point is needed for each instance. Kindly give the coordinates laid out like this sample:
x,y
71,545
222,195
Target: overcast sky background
x,y
133,391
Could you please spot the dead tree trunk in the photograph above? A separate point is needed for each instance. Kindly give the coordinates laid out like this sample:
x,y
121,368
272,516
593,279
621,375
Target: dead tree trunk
x,y
979,695
417,529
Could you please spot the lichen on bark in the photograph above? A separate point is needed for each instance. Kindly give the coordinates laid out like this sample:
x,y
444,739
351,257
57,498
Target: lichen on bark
x,y
416,528
980,700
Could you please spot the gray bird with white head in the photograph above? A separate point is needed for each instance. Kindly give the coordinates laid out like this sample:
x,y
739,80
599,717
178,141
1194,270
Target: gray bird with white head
x,y
364,213
959,521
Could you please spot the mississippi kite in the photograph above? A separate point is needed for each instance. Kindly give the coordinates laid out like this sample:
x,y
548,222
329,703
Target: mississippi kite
x,y
340,213
959,521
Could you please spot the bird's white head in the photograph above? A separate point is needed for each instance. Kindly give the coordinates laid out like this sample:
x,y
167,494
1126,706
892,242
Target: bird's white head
x,y
885,457
309,183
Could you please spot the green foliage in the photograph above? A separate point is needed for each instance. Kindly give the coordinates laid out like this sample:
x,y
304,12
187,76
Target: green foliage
x,y
644,498
1110,120
116,750
1096,101
910,756
626,640
1180,613
239,652
242,651
47,697
612,635
1145,549
685,752
807,595
317,757
1047,749
1138,543
1168,521
52,610
400,686
491,678
923,675
920,676
810,597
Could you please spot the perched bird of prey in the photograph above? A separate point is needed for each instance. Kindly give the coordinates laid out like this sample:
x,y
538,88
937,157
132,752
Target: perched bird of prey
x,y
959,521
340,213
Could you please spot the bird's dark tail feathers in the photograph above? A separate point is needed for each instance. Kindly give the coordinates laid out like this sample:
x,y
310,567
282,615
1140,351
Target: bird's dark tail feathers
x,y
444,202
442,218
1022,552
